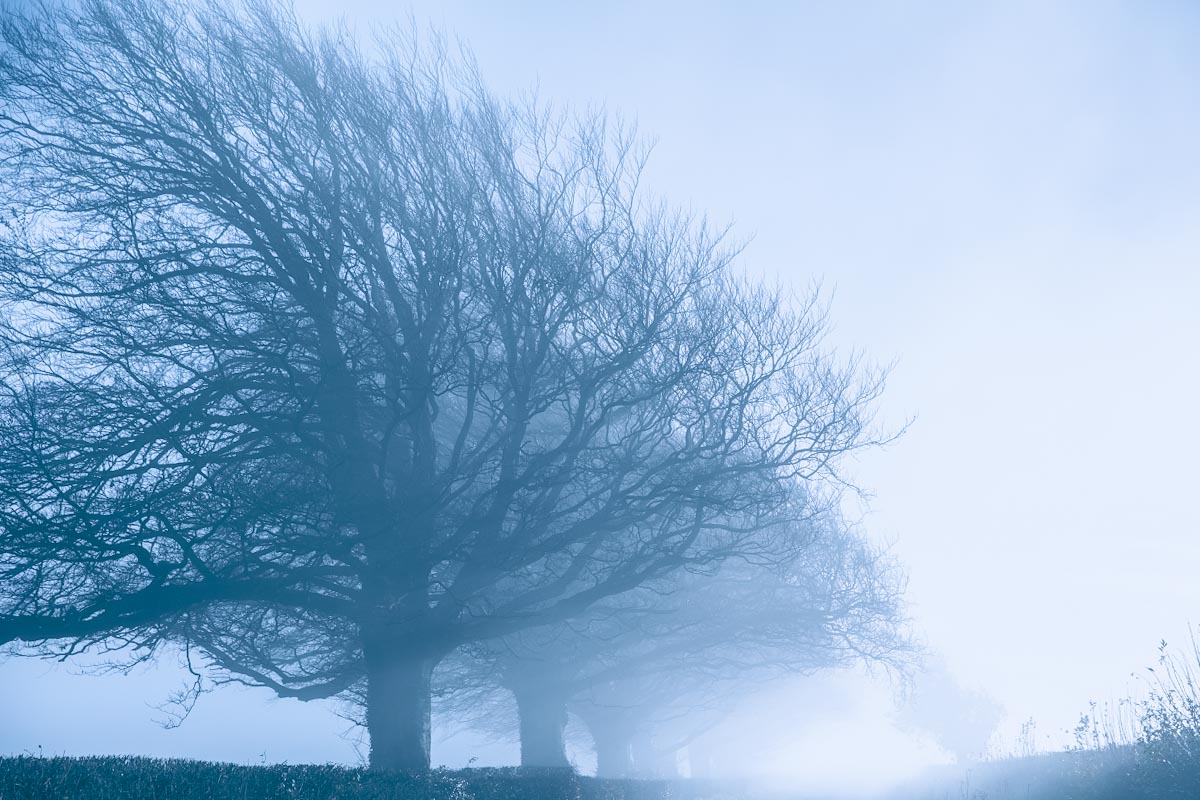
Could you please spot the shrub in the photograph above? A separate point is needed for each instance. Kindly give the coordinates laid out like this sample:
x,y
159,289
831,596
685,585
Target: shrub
x,y
1169,736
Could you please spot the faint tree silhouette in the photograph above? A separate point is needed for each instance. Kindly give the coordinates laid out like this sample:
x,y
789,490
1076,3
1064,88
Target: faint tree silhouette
x,y
649,670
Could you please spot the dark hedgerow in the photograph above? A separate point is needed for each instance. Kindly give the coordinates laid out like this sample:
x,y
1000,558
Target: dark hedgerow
x,y
135,778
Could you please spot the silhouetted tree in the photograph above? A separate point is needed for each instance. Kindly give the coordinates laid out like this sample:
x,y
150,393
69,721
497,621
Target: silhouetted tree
x,y
327,365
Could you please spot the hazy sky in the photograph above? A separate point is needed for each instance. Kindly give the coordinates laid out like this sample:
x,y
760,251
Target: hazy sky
x,y
1003,199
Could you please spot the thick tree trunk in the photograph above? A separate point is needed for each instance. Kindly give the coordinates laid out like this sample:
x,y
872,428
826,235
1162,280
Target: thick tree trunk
x,y
543,716
614,749
398,708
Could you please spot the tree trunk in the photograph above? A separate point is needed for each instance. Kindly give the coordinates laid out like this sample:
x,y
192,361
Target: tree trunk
x,y
543,715
398,708
614,749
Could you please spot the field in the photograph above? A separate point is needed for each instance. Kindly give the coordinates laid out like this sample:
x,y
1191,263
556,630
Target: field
x,y
1096,775
132,778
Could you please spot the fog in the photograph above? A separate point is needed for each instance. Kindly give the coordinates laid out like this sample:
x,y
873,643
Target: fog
x,y
1000,200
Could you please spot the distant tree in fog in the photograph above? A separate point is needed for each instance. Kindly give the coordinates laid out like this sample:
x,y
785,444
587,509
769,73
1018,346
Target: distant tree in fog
x,y
327,365
960,719
650,670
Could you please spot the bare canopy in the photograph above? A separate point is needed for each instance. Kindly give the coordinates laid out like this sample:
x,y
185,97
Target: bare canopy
x,y
301,348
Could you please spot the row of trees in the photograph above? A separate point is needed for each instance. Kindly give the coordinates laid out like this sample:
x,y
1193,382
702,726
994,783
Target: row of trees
x,y
335,368
650,671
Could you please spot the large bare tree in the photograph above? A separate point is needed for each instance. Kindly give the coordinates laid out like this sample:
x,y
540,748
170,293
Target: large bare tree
x,y
326,364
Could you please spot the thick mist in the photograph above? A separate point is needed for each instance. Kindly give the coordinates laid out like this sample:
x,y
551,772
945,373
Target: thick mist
x,y
995,199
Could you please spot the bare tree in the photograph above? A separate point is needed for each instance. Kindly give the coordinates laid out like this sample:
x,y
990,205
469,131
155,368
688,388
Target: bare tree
x,y
649,670
326,365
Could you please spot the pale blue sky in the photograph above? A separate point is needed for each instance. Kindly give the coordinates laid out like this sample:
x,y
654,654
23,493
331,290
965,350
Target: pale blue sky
x,y
1004,199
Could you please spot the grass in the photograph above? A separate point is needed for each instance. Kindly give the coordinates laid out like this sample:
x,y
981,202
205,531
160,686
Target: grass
x,y
1145,748
135,778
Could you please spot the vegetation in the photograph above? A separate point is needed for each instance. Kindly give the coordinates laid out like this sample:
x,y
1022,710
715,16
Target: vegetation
x,y
32,778
1146,747
353,380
